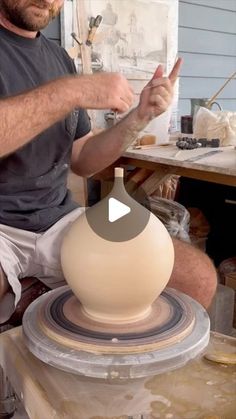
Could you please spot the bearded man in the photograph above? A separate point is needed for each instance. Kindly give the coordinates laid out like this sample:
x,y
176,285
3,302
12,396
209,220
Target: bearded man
x,y
45,130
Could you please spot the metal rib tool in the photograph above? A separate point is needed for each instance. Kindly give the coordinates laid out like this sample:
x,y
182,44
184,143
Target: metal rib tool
x,y
202,156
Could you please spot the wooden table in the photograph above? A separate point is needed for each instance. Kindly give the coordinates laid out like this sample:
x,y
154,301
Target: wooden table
x,y
219,167
154,166
201,389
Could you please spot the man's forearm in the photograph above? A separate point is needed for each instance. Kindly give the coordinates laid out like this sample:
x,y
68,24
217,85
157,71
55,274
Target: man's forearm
x,y
103,149
26,115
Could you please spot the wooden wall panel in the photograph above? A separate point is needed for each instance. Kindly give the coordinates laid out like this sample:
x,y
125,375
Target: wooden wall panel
x,y
208,18
207,43
206,87
204,65
215,4
226,104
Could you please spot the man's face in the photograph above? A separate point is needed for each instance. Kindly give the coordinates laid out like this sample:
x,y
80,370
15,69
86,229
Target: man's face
x,y
30,15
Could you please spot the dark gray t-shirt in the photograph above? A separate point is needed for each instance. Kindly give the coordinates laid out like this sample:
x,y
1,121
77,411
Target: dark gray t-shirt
x,y
33,180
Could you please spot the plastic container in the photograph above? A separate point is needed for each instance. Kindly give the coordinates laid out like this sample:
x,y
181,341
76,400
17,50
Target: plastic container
x,y
159,126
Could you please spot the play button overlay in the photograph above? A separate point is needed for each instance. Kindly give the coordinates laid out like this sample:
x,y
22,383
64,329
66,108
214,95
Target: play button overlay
x,y
116,209
119,217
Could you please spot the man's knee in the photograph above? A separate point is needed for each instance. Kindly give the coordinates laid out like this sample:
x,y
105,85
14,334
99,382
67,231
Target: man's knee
x,y
4,285
193,273
6,298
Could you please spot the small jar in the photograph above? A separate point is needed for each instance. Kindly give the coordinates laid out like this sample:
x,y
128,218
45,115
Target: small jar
x,y
186,124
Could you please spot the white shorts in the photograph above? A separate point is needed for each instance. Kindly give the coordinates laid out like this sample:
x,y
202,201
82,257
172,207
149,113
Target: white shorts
x,y
23,253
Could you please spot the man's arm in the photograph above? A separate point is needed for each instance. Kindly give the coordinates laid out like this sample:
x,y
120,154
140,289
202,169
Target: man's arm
x,y
26,115
93,154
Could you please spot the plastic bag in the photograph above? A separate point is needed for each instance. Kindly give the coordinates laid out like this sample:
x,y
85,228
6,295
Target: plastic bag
x,y
173,215
215,124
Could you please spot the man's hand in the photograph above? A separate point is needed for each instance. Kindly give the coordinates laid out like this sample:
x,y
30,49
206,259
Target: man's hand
x,y
157,95
105,91
26,115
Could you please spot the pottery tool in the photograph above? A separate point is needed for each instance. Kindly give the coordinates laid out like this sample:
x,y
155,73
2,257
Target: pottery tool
x,y
57,331
213,98
202,156
75,37
147,146
177,154
93,26
221,357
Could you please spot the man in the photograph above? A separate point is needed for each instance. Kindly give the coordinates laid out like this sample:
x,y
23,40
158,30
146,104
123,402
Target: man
x,y
44,130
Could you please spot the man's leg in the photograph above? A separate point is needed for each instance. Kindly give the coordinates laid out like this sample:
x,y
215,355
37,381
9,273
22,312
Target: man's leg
x,y
32,288
193,273
16,250
7,298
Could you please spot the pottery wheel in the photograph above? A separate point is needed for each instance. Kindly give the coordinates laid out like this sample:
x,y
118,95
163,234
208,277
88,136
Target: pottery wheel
x,y
58,332
62,319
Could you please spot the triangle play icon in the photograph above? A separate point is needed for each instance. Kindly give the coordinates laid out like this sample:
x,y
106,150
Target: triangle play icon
x,y
116,209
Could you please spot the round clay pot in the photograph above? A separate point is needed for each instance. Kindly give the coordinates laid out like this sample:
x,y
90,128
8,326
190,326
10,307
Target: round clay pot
x,y
117,281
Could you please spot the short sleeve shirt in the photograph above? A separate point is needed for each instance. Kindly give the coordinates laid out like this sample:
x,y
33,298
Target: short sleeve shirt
x,y
33,179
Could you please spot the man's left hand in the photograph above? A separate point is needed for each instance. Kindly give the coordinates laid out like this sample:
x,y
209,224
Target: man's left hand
x,y
157,95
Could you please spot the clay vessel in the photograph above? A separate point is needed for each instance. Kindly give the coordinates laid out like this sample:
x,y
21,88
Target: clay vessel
x,y
117,281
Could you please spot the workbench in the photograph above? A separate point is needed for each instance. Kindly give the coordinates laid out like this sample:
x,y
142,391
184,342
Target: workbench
x,y
166,160
201,389
155,165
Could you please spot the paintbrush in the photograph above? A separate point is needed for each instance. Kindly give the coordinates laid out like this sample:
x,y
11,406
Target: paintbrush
x,y
149,146
213,98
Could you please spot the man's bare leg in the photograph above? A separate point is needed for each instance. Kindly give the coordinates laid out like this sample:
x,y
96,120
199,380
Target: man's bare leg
x,y
4,286
6,298
193,273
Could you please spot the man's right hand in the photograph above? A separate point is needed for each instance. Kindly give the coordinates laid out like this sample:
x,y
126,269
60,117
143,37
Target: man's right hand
x,y
26,115
104,91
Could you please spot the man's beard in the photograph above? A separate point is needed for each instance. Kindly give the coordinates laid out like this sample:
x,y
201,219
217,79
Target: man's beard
x,y
28,19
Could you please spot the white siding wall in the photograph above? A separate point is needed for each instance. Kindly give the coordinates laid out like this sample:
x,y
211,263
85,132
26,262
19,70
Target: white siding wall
x,y
207,43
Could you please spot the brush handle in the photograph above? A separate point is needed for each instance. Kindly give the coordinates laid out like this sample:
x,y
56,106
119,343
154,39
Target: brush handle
x,y
212,99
